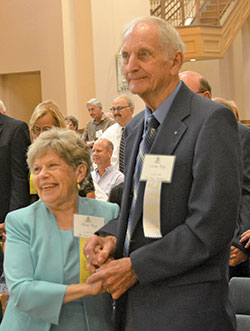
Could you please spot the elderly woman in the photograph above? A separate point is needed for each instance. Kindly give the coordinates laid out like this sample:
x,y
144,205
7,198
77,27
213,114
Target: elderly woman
x,y
45,116
42,257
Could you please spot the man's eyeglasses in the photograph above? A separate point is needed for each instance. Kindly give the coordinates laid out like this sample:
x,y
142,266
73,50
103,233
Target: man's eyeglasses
x,y
37,130
119,108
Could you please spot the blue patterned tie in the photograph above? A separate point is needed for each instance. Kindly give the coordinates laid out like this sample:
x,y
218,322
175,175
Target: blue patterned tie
x,y
121,152
144,148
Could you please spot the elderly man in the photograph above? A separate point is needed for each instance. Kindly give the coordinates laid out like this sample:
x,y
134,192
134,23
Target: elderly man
x,y
172,244
98,124
122,109
105,175
239,264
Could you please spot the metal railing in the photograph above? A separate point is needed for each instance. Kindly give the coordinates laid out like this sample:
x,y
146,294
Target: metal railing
x,y
189,12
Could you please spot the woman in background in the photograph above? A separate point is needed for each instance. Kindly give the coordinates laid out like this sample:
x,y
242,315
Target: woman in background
x,y
45,116
42,262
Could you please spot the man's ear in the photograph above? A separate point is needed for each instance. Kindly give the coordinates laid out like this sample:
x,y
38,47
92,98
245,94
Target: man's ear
x,y
177,62
207,94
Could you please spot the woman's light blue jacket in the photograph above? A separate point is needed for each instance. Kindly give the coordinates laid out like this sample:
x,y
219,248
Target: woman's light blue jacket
x,y
34,269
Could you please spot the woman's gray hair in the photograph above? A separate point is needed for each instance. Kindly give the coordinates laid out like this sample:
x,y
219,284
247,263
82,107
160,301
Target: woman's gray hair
x,y
170,39
45,107
65,143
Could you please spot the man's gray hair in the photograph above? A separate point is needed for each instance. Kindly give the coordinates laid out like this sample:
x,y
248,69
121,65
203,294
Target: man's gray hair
x,y
65,143
170,39
95,102
2,106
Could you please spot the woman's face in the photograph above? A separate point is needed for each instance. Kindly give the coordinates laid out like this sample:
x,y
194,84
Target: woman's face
x,y
56,181
44,123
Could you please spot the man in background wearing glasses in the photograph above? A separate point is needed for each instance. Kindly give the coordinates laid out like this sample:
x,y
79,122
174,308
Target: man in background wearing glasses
x,y
122,109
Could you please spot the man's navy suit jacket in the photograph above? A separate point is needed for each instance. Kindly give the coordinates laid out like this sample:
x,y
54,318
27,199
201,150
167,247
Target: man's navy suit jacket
x,y
182,276
14,184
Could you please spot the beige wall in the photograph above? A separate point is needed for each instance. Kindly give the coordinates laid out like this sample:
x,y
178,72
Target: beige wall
x,y
73,45
78,55
230,76
108,18
55,39
21,92
33,41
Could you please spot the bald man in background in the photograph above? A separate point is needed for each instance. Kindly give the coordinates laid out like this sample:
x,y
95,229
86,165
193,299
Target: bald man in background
x,y
239,262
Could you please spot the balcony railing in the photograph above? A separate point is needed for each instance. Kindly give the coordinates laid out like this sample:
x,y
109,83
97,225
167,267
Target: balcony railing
x,y
190,12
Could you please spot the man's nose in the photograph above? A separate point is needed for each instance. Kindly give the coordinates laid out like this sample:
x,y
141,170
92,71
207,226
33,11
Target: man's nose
x,y
133,63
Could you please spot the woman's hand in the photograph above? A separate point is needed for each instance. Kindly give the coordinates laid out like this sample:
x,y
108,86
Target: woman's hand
x,y
94,288
77,291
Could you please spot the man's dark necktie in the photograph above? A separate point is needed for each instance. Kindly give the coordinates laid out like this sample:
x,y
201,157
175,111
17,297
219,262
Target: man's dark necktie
x,y
144,148
121,152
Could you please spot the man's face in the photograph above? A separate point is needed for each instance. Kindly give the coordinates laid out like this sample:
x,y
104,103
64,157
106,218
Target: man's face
x,y
94,112
145,64
101,155
121,111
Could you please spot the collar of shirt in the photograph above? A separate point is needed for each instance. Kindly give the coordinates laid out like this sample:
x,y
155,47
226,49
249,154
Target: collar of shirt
x,y
102,118
161,112
107,170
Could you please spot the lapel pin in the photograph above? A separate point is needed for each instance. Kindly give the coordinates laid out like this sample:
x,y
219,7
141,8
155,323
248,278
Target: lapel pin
x,y
175,132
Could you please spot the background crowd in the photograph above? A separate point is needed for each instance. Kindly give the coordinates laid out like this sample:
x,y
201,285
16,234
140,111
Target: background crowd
x,y
54,171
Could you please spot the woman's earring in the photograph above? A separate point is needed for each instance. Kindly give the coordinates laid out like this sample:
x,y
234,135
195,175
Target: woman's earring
x,y
78,184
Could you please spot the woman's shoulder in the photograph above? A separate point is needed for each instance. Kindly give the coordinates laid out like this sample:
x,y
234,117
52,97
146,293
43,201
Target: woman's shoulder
x,y
97,207
26,213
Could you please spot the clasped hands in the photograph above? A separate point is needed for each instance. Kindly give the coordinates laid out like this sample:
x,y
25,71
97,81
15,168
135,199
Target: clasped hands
x,y
117,276
237,256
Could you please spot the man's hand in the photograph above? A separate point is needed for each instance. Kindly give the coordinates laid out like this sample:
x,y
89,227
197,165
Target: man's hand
x,y
237,256
2,231
246,237
117,276
99,250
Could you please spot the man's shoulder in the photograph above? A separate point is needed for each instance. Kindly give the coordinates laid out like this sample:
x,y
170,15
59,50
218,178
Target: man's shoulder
x,y
90,122
13,122
108,119
116,173
113,129
243,129
136,119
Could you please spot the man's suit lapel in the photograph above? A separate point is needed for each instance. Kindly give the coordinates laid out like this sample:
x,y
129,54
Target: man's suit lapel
x,y
132,142
169,136
1,125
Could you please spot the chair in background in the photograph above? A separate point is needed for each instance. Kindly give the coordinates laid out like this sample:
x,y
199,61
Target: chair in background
x,y
240,296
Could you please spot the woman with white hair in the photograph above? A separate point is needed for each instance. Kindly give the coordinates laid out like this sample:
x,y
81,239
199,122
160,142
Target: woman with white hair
x,y
42,263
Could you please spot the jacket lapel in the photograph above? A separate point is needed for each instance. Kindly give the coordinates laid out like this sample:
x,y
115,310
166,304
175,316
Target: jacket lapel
x,y
133,137
168,137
